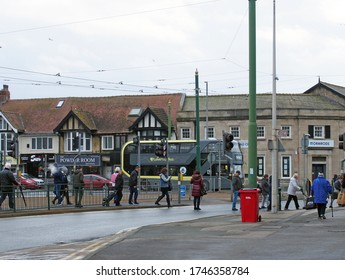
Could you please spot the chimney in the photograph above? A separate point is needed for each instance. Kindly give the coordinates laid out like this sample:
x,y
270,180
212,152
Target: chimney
x,y
4,94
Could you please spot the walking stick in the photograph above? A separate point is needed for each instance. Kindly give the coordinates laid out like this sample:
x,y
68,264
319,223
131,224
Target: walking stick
x,y
21,192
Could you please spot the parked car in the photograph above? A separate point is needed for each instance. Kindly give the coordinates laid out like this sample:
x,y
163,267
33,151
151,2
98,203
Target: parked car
x,y
94,181
40,182
26,183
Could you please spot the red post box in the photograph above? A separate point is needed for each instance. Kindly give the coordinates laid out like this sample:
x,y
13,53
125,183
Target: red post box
x,y
250,205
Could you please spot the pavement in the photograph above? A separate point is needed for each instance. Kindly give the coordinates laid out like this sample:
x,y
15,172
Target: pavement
x,y
285,235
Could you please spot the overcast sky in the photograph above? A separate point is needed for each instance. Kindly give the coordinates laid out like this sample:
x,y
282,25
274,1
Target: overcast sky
x,y
99,48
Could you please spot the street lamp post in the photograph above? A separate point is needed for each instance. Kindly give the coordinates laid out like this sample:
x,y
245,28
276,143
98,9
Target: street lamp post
x,y
206,136
197,121
274,181
252,126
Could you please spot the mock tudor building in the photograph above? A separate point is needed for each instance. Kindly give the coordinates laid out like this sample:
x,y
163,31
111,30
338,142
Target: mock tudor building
x,y
46,129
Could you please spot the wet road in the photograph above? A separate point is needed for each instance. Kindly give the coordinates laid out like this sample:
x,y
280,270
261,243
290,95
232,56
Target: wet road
x,y
36,231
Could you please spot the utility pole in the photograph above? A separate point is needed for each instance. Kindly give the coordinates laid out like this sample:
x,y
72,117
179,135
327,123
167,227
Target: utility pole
x,y
169,120
252,127
274,181
206,136
197,122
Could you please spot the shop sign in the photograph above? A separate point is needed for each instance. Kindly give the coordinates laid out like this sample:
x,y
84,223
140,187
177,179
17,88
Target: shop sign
x,y
320,143
82,160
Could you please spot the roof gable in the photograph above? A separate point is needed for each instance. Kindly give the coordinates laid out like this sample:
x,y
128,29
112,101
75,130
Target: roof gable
x,y
158,113
339,90
77,120
14,120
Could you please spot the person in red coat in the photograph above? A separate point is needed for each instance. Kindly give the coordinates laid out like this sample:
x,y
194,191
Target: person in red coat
x,y
197,184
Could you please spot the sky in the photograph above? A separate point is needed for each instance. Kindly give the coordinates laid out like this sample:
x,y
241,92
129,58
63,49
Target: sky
x,y
101,48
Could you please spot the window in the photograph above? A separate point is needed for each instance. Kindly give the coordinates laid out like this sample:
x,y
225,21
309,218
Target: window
x,y
42,143
235,131
286,131
319,132
209,133
260,132
185,133
120,140
85,141
261,166
107,142
286,166
3,124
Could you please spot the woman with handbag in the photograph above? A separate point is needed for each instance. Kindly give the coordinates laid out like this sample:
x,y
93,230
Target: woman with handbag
x,y
197,188
165,186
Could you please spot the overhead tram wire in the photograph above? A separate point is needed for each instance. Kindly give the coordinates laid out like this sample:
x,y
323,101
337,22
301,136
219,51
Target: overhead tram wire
x,y
112,82
147,66
106,18
148,89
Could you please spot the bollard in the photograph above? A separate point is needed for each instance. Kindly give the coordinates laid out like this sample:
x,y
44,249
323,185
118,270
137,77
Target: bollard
x,y
279,199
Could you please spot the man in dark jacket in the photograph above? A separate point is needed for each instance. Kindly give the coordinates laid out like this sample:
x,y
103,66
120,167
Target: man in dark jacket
x,y
58,181
265,191
7,181
78,185
133,186
236,186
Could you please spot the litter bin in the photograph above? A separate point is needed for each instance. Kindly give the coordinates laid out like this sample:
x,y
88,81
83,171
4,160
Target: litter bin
x,y
250,205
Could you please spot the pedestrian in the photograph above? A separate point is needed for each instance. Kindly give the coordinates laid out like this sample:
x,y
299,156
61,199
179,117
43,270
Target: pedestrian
x,y
265,191
320,190
197,186
164,186
7,181
291,191
64,189
336,188
269,207
58,181
236,186
78,185
118,188
133,186
113,179
117,192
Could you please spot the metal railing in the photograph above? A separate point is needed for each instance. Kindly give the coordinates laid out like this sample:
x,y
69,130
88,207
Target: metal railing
x,y
42,199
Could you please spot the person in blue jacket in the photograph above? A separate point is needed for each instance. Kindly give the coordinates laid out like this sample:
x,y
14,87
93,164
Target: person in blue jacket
x,y
320,189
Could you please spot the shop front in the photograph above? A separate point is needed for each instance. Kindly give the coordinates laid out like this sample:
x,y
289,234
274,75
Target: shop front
x,y
91,163
37,164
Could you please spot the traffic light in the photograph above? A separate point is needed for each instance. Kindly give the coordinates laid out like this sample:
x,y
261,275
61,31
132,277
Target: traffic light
x,y
165,148
136,140
161,149
341,141
227,141
75,143
305,143
11,148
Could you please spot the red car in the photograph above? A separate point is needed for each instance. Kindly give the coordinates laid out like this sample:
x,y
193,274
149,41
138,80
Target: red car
x,y
94,181
27,183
